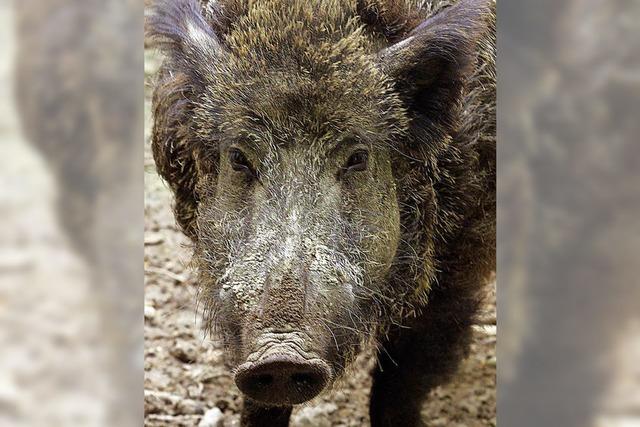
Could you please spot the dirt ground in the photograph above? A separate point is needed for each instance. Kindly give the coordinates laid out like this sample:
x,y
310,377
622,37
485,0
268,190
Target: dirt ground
x,y
186,382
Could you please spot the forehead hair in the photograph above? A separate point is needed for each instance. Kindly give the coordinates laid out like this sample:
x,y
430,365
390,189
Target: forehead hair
x,y
298,70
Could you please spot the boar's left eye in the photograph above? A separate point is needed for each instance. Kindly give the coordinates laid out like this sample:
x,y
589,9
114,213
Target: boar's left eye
x,y
357,161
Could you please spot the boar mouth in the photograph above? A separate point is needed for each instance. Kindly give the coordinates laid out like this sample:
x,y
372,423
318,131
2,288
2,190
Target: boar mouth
x,y
281,373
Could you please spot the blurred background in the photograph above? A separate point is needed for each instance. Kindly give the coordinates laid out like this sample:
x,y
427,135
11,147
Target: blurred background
x,y
568,222
71,198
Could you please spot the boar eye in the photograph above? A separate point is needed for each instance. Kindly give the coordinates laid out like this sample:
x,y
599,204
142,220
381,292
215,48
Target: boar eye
x,y
240,163
357,161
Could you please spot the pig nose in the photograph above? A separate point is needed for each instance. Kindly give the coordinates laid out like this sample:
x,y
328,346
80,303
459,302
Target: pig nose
x,y
283,379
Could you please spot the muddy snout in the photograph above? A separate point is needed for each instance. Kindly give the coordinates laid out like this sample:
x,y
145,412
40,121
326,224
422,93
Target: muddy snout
x,y
283,379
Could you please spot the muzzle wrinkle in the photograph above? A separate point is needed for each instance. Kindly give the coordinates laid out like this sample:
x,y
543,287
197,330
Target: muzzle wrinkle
x,y
271,343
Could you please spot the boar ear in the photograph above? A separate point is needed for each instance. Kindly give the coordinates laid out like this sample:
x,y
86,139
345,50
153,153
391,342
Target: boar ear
x,y
180,30
430,65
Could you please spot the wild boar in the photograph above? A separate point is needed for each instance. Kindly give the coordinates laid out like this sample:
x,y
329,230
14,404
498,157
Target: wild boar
x,y
334,164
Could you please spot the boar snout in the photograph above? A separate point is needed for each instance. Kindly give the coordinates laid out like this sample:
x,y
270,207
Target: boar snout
x,y
283,370
283,379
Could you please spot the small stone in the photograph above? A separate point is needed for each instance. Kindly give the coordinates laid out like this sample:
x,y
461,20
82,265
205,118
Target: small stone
x,y
212,418
152,239
149,312
184,352
190,407
315,416
439,422
492,361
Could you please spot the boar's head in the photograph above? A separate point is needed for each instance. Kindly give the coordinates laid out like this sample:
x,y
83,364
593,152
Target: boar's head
x,y
302,149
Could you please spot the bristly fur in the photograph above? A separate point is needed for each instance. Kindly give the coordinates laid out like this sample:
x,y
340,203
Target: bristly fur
x,y
418,75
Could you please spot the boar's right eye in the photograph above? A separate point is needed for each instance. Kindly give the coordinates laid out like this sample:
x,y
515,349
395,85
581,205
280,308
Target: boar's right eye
x,y
240,163
357,161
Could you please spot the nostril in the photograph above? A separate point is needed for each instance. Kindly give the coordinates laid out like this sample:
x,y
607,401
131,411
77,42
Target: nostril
x,y
263,380
304,379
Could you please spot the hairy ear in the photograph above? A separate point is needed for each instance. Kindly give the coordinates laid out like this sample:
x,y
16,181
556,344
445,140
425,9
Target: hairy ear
x,y
430,65
179,29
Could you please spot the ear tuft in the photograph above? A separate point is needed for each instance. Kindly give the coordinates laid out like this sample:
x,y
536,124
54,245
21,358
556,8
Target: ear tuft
x,y
179,29
431,64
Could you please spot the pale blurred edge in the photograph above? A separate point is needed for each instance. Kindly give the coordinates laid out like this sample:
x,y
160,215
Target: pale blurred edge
x,y
71,197
568,223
